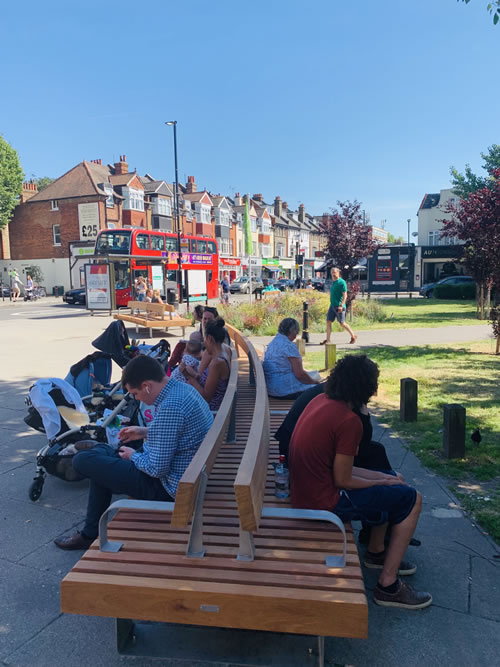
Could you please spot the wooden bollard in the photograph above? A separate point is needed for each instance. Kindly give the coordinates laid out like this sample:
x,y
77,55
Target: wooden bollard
x,y
408,402
454,431
330,355
301,346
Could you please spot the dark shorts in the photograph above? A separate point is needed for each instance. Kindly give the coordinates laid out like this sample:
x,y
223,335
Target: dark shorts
x,y
333,314
376,504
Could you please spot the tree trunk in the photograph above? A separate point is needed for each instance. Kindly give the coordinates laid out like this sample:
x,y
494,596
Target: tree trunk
x,y
488,301
481,301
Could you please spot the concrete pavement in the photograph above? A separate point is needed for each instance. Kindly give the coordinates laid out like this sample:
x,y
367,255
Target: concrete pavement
x,y
455,561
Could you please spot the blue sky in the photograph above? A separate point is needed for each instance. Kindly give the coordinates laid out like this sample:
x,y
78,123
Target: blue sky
x,y
312,101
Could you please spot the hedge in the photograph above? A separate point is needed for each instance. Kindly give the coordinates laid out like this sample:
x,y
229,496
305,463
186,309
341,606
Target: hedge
x,y
463,291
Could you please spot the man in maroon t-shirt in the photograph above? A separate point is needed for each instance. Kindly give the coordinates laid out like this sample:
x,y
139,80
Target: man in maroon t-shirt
x,y
322,476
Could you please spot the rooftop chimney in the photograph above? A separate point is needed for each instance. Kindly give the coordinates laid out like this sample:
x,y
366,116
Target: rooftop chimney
x,y
237,199
285,206
191,186
122,166
302,213
30,189
277,207
258,197
99,161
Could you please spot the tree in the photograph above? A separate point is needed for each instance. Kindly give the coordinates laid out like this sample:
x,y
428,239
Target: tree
x,y
395,239
492,7
464,184
476,222
42,182
347,239
11,181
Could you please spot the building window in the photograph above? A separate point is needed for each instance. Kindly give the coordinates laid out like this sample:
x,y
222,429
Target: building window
x,y
240,248
231,246
163,206
224,246
265,226
434,238
254,244
280,250
54,205
205,214
134,199
224,218
108,189
253,224
56,234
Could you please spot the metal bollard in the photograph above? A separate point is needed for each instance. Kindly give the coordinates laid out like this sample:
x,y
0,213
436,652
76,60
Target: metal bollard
x,y
305,321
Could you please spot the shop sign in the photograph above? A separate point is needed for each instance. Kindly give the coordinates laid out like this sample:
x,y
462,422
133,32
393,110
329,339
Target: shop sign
x,y
270,262
88,221
442,251
230,261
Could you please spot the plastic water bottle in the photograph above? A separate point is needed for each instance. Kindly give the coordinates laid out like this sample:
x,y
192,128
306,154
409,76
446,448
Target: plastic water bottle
x,y
281,479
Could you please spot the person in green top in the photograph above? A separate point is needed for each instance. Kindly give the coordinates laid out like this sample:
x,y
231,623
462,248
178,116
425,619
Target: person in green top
x,y
338,297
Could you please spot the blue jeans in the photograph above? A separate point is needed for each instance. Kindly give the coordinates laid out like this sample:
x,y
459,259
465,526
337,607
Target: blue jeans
x,y
141,296
376,505
109,474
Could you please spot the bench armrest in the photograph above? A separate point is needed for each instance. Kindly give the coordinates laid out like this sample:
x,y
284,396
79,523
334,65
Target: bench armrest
x,y
319,515
150,505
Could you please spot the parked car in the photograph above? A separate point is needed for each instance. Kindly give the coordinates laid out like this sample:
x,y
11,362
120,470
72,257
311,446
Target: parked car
x,y
76,296
428,290
318,284
5,291
268,281
285,283
242,285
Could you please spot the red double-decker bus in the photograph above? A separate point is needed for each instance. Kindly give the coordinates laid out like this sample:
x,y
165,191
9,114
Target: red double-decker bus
x,y
153,254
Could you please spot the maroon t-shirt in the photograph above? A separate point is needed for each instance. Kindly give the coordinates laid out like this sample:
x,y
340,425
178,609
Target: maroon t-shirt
x,y
323,429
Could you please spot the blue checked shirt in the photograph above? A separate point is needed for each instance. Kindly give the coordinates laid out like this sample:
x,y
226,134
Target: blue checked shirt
x,y
181,421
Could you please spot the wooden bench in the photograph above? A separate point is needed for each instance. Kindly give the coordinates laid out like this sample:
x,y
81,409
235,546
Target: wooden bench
x,y
313,584
256,568
146,558
152,316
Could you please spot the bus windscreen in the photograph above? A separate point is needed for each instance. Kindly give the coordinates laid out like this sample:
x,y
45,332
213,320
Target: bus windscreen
x,y
113,242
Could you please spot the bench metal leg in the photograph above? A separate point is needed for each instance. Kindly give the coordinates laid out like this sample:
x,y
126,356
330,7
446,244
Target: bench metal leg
x,y
246,552
124,634
231,430
321,652
252,371
195,547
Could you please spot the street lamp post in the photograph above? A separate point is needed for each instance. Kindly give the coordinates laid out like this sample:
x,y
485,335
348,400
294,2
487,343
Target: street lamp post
x,y
176,207
409,222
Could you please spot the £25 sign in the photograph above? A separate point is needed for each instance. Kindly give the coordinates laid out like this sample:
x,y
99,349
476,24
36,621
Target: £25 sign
x,y
88,221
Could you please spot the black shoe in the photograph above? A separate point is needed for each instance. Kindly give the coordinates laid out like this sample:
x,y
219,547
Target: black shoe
x,y
73,542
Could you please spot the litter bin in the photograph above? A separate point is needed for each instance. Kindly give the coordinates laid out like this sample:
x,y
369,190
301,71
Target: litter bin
x,y
172,296
58,290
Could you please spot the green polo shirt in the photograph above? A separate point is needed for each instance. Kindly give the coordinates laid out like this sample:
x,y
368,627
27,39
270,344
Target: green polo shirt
x,y
337,292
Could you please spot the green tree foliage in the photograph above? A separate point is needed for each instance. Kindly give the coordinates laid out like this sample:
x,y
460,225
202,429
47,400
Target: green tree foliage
x,y
11,181
42,182
492,7
468,182
395,239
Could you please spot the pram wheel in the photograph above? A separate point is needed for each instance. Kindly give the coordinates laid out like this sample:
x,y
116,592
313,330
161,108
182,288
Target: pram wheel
x,y
36,489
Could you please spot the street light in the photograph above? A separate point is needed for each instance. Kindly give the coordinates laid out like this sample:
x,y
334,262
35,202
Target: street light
x,y
409,222
176,208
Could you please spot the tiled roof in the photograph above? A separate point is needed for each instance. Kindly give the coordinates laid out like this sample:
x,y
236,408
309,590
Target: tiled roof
x,y
429,201
122,179
80,181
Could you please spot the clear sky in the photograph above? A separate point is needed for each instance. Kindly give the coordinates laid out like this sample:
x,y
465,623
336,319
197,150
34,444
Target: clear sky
x,y
312,101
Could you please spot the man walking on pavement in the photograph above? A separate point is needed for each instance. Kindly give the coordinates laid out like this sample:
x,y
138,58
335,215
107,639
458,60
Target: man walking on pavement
x,y
337,310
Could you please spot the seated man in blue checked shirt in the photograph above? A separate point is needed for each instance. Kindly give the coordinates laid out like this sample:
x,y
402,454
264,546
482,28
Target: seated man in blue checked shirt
x,y
181,421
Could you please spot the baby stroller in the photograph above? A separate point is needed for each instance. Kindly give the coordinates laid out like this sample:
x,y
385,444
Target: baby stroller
x,y
84,409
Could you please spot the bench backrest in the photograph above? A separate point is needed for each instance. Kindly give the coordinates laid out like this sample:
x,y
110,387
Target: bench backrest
x,y
156,309
250,480
239,340
204,458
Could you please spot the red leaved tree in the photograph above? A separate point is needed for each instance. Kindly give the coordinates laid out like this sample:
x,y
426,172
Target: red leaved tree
x,y
347,239
476,222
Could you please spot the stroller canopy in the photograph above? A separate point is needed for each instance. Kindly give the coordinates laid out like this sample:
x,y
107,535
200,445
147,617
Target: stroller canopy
x,y
94,368
43,402
113,341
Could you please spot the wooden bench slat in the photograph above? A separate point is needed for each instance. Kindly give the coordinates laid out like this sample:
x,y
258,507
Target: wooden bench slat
x,y
239,606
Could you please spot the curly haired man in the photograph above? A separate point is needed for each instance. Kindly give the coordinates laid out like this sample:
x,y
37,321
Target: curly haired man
x,y
322,476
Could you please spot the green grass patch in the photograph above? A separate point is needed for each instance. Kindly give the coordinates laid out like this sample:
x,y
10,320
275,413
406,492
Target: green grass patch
x,y
466,373
262,318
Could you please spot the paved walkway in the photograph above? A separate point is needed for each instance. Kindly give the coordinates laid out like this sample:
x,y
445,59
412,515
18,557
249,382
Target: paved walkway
x,y
455,561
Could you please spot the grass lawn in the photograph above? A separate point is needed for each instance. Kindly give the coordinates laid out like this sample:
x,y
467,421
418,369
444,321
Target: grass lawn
x,y
410,313
466,373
